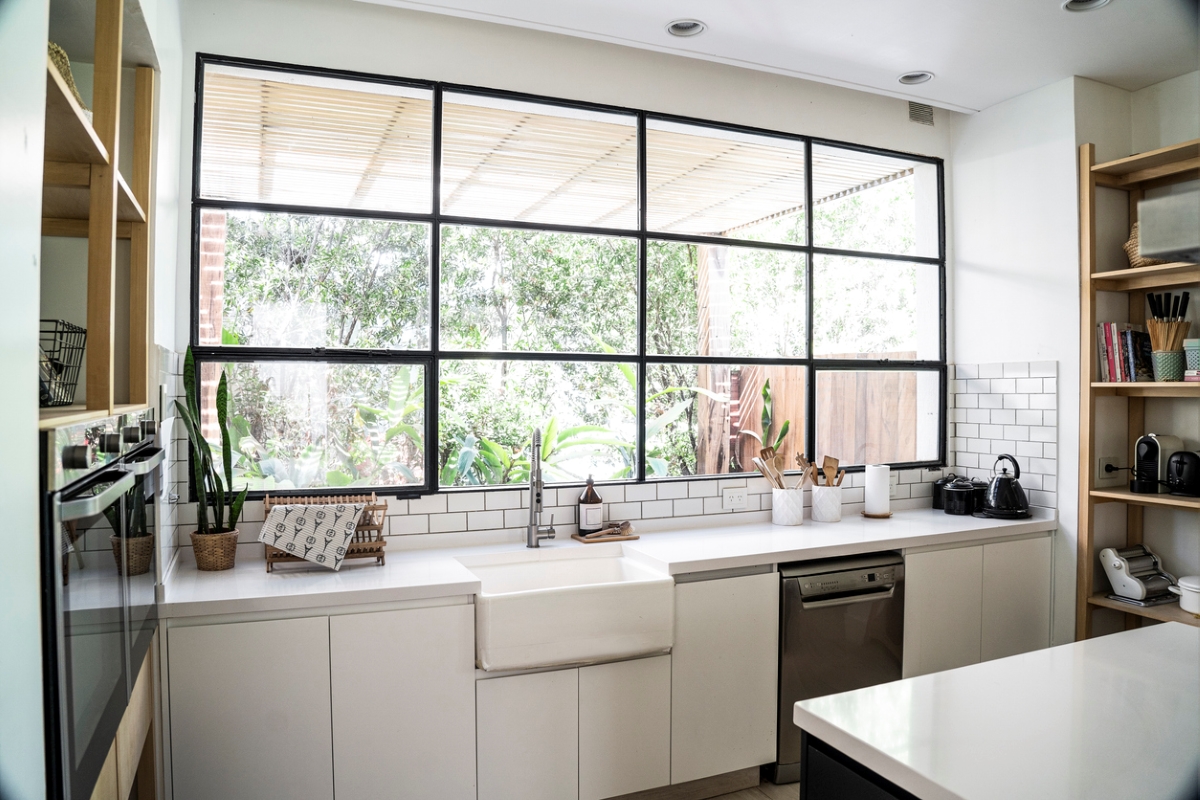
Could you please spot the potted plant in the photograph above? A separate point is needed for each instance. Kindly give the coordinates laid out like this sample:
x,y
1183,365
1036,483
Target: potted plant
x,y
133,538
214,541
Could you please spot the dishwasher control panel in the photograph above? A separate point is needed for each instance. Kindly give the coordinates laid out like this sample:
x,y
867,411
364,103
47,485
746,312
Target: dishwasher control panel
x,y
882,579
863,574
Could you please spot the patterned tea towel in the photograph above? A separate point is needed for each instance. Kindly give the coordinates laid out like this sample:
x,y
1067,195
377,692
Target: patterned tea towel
x,y
318,534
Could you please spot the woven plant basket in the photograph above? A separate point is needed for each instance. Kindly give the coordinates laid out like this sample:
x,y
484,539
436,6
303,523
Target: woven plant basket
x,y
1131,250
139,552
215,551
58,57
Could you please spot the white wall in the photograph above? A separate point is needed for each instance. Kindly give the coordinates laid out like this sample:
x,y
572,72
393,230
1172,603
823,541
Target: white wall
x,y
1013,197
1166,113
357,36
23,32
162,16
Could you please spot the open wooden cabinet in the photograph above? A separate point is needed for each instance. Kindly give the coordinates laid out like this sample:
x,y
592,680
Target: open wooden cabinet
x,y
85,195
1135,175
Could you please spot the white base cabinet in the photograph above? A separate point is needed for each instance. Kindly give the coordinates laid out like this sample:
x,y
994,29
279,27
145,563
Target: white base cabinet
x,y
404,704
724,675
587,733
970,604
250,711
384,701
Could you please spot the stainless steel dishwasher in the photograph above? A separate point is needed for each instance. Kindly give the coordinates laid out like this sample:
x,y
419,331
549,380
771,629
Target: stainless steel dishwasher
x,y
841,628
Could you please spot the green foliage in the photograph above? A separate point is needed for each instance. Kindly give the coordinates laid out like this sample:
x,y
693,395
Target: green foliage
x,y
210,488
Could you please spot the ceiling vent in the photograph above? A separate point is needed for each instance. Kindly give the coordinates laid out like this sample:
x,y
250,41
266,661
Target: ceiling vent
x,y
921,113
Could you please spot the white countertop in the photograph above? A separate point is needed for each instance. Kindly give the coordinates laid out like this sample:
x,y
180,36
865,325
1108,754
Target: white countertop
x,y
1113,717
424,574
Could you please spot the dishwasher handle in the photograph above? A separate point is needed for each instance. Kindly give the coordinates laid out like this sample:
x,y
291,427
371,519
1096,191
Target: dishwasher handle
x,y
866,597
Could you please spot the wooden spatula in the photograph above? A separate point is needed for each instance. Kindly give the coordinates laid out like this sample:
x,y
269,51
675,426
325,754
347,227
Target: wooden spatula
x,y
830,467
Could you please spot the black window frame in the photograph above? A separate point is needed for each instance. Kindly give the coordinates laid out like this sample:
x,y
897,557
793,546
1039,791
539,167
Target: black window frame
x,y
431,358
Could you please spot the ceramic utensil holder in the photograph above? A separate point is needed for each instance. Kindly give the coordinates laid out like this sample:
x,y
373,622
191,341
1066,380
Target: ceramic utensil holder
x,y
787,506
1168,365
827,504
1191,349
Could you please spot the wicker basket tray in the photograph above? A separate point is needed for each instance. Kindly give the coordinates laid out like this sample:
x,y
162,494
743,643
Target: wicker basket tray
x,y
1131,250
368,541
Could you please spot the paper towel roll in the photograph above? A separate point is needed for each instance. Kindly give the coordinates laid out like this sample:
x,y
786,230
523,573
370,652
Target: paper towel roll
x,y
879,490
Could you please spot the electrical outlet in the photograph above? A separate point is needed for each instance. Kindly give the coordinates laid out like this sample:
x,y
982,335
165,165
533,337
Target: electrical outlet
x,y
733,499
1114,478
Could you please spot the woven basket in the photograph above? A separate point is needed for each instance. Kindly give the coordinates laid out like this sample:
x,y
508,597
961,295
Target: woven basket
x,y
58,57
1131,250
215,551
139,552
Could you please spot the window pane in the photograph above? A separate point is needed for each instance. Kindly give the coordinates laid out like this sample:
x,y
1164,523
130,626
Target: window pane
x,y
876,417
287,280
715,182
710,419
865,308
532,162
304,424
488,410
506,289
875,203
279,137
715,300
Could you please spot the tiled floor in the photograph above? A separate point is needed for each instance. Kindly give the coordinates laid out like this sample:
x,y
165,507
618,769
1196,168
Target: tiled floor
x,y
765,791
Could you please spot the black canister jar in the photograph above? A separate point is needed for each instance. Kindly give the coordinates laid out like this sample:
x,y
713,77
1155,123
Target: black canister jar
x,y
938,486
958,497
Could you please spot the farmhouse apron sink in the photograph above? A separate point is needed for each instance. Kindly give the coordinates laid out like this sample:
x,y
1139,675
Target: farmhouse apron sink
x,y
552,606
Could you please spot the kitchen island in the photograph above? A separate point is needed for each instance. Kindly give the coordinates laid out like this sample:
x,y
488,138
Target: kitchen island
x,y
1114,717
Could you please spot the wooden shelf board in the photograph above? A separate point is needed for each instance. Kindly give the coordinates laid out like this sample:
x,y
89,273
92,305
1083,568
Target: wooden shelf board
x,y
1171,612
1148,389
1152,165
69,135
68,415
130,408
1122,495
73,201
1180,273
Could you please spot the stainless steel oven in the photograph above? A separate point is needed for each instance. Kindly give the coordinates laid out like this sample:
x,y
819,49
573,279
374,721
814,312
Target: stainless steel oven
x,y
97,618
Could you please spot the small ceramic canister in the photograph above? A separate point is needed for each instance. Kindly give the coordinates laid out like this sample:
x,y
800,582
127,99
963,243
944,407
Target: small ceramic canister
x,y
787,506
827,503
1168,365
1189,593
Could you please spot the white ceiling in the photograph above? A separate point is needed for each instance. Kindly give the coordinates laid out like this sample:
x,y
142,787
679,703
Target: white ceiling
x,y
981,52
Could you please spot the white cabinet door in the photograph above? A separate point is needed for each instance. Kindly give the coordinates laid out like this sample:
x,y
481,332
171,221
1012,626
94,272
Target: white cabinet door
x,y
943,595
1016,597
528,736
624,727
404,704
250,711
724,669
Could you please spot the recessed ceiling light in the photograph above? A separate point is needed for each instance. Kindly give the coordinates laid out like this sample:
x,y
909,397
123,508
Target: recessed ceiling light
x,y
1084,5
686,27
911,78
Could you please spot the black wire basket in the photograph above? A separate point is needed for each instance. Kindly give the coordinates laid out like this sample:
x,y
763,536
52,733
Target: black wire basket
x,y
62,355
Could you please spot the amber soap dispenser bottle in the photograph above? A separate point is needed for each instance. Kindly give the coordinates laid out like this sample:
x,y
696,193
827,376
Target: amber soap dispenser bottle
x,y
591,509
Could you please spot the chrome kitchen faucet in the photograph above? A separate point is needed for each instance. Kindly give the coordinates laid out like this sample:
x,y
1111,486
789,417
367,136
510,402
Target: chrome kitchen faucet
x,y
534,533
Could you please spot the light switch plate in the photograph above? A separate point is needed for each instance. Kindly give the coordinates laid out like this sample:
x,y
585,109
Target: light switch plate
x,y
733,499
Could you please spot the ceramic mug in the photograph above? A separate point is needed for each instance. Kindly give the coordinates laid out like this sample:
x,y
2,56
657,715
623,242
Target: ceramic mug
x,y
827,503
1189,593
787,506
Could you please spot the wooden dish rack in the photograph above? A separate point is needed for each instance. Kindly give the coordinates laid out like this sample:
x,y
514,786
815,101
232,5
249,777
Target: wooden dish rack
x,y
368,541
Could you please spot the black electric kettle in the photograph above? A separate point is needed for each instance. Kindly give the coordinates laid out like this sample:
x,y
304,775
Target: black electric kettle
x,y
1005,499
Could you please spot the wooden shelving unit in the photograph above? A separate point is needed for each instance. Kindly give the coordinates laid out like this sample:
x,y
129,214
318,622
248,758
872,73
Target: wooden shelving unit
x,y
85,195
1134,175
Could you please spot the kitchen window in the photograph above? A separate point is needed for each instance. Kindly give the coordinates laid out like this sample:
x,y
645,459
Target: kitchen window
x,y
404,278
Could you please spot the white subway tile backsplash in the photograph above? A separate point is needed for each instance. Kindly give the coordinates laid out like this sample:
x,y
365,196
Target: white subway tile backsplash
x,y
641,491
1016,400
702,489
966,371
1029,449
466,501
1003,386
1050,385
1016,433
1027,416
407,524
991,401
1019,369
444,523
1050,450
1043,401
732,483
712,505
1043,369
991,370
967,460
967,430
1050,418
673,490
1003,416
967,401
1043,465
1029,386
991,431
652,509
693,506
485,520
498,501
428,504
1043,433
921,490
978,415
623,511
1044,499
516,517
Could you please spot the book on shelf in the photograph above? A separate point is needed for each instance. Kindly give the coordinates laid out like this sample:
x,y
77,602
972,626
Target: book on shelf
x,y
1123,352
1191,375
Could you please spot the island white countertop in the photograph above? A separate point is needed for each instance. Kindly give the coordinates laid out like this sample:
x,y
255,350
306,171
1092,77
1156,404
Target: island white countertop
x,y
418,574
1111,718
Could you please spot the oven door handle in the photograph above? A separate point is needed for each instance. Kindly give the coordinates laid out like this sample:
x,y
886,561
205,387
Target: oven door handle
x,y
146,465
845,601
84,507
